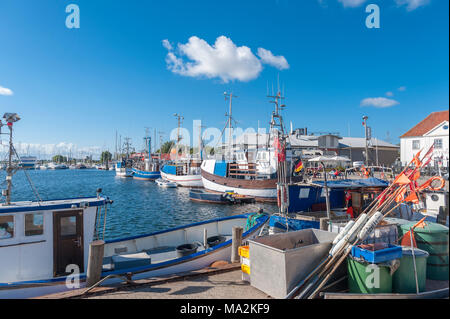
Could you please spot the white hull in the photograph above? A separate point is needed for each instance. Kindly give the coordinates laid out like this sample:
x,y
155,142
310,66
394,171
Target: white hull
x,y
184,180
265,193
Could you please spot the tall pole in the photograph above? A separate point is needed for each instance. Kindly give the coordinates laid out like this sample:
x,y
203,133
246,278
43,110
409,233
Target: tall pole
x,y
366,137
179,119
230,119
9,169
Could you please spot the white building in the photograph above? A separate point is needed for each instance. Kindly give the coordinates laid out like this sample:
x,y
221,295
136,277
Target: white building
x,y
433,129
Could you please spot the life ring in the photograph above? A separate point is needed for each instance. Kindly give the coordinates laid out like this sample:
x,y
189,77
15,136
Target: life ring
x,y
428,183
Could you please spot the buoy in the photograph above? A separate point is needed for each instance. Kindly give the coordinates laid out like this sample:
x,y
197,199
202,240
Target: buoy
x,y
370,226
343,232
351,235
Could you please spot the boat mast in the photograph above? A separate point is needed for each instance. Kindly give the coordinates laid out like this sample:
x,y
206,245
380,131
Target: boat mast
x,y
230,119
180,119
10,118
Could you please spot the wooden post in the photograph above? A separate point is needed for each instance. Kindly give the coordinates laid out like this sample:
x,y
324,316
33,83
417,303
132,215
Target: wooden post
x,y
236,242
324,223
95,262
205,238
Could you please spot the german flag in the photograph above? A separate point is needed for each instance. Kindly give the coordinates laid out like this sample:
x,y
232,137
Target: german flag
x,y
298,166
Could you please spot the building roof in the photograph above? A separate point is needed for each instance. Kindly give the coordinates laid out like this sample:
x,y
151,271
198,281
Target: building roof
x,y
430,122
360,142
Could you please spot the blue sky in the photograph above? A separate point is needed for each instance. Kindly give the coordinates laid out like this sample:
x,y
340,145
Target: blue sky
x,y
78,86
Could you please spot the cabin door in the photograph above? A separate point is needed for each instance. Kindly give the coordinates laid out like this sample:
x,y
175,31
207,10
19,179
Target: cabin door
x,y
67,241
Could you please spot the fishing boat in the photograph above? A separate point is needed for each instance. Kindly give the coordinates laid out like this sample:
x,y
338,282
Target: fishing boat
x,y
165,183
123,170
251,172
202,196
28,162
147,168
41,241
176,250
184,170
185,174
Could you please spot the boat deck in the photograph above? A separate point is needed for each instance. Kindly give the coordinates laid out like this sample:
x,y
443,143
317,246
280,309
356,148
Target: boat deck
x,y
157,255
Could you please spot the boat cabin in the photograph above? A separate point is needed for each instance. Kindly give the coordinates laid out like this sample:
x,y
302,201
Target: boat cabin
x,y
50,235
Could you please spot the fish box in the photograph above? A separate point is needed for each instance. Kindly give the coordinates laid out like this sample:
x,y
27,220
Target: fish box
x,y
279,262
377,253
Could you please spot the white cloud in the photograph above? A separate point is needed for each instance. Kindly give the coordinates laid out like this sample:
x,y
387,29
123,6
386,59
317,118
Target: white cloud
x,y
352,3
380,102
267,57
412,4
222,60
5,91
47,151
390,94
402,88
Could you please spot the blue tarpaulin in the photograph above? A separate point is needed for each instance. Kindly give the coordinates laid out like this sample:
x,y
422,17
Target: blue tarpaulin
x,y
354,183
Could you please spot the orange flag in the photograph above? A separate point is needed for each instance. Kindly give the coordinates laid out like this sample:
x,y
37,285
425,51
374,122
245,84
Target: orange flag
x,y
412,197
402,179
400,196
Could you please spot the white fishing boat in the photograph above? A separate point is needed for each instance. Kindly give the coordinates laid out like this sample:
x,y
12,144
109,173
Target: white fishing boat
x,y
43,240
165,183
252,172
43,167
185,171
122,170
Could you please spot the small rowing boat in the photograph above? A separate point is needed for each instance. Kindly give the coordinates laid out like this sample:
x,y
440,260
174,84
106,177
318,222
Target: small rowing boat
x,y
165,183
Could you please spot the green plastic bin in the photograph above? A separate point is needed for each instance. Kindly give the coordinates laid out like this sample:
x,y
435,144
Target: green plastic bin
x,y
433,238
362,278
404,280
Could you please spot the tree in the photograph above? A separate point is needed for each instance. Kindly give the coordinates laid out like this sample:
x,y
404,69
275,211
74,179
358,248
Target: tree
x,y
167,146
105,157
59,159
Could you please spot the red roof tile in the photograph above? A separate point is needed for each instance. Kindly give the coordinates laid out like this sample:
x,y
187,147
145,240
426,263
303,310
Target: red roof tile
x,y
427,124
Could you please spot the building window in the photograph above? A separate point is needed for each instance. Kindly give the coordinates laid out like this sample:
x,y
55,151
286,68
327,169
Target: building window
x,y
6,227
416,144
438,143
34,224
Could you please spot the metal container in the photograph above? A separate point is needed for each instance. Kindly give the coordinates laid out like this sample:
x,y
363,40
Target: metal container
x,y
279,262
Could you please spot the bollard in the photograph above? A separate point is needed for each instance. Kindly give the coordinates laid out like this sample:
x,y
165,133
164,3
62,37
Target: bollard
x,y
95,262
205,238
236,243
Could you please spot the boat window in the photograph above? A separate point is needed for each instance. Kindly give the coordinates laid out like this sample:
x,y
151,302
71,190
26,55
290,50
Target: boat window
x,y
68,225
304,193
323,192
34,224
6,227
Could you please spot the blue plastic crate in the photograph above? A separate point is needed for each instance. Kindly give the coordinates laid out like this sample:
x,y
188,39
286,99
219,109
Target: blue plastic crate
x,y
391,252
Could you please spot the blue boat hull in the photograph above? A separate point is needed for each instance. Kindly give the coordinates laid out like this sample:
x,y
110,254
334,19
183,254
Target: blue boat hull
x,y
146,176
206,197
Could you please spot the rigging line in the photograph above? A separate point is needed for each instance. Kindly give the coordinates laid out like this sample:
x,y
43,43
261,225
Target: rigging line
x,y
36,193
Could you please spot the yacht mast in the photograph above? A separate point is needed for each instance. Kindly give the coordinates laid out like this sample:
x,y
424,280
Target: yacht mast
x,y
10,118
180,119
229,122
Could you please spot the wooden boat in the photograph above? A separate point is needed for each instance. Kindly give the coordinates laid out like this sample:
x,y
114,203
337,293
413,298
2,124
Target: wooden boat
x,y
166,252
218,198
164,183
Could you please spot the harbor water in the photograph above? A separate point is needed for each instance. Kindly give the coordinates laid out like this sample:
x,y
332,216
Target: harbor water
x,y
140,207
